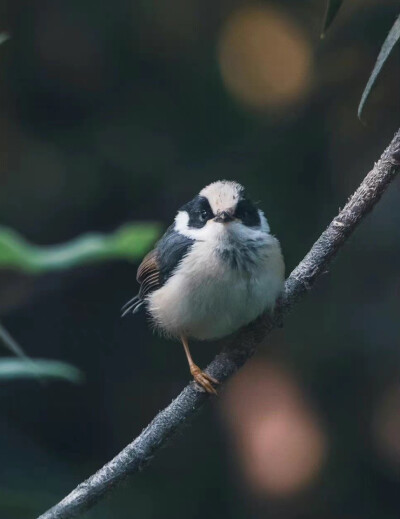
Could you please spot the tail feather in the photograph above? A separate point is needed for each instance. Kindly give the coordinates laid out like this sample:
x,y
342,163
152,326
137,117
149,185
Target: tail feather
x,y
133,300
132,306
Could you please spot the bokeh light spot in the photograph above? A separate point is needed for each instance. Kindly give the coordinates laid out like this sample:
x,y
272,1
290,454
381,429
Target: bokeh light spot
x,y
264,57
386,425
279,442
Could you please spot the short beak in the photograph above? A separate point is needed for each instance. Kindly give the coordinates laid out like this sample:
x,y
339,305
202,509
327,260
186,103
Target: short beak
x,y
224,217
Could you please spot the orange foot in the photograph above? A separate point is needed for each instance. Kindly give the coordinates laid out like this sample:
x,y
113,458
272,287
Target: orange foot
x,y
203,380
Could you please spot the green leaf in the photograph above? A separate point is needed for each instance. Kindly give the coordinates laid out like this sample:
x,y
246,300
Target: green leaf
x,y
387,47
12,369
332,9
129,242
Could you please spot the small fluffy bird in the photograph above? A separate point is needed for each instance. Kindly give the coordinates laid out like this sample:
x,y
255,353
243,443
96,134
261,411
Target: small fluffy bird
x,y
216,269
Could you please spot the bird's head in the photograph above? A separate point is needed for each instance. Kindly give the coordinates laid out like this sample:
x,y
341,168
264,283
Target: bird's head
x,y
221,207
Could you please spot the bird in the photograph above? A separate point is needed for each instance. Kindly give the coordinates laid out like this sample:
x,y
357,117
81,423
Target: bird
x,y
216,269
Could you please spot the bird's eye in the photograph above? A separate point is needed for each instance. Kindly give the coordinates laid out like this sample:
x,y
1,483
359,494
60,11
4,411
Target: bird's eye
x,y
203,215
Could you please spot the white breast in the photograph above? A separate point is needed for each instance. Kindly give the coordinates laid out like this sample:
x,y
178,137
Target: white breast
x,y
210,296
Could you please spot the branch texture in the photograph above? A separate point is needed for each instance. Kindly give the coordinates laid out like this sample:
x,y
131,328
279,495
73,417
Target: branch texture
x,y
239,348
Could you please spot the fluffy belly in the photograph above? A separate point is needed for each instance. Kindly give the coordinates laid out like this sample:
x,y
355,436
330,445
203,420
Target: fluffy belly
x,y
212,302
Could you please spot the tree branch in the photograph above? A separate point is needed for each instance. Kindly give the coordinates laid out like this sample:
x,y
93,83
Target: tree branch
x,y
239,348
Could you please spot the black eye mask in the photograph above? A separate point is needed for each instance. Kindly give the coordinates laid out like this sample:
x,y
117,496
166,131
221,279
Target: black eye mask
x,y
248,213
199,211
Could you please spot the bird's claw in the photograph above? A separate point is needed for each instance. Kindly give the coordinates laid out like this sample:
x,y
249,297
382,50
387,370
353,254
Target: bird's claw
x,y
204,380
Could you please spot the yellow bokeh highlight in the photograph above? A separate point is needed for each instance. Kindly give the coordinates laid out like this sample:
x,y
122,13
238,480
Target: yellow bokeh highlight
x,y
264,57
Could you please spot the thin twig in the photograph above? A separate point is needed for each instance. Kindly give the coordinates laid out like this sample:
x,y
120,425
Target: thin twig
x,y
240,348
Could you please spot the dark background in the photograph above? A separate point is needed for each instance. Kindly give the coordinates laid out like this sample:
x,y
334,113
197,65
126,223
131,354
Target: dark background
x,y
123,110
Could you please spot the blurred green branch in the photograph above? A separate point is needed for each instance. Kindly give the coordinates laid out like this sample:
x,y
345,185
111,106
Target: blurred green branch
x,y
12,369
129,242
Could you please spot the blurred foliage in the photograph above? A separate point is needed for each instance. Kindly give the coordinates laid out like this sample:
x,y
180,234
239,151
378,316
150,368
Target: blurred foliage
x,y
120,112
15,369
387,47
332,8
26,368
10,343
129,242
4,37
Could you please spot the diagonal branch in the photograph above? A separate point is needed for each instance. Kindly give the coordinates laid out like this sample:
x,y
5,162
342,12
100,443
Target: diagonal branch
x,y
240,348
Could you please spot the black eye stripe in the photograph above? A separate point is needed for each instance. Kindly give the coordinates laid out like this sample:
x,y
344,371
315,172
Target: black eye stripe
x,y
199,211
248,213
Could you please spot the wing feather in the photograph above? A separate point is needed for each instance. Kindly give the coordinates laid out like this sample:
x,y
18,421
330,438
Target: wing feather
x,y
148,274
158,265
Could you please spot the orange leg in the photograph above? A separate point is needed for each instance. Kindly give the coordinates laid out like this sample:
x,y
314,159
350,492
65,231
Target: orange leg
x,y
204,380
